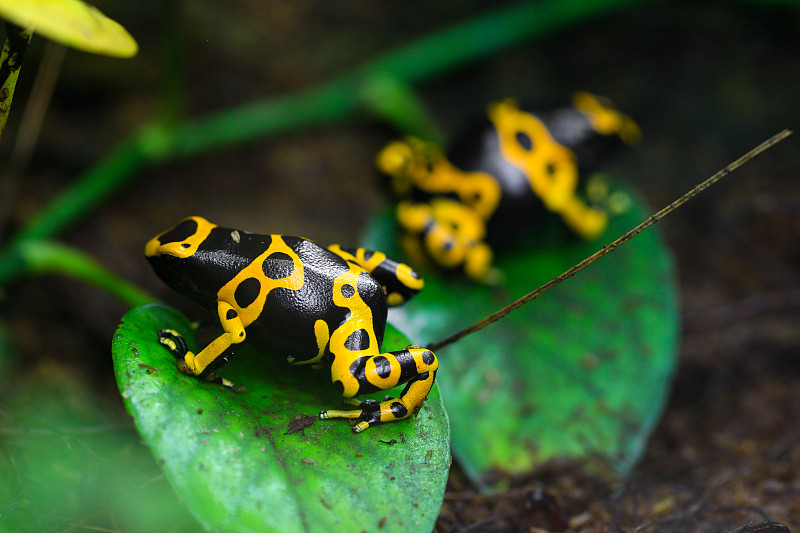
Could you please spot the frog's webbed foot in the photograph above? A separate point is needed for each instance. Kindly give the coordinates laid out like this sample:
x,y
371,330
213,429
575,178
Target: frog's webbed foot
x,y
372,412
176,344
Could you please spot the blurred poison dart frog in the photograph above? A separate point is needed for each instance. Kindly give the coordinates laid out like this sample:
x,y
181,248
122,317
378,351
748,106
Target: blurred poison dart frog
x,y
499,177
312,304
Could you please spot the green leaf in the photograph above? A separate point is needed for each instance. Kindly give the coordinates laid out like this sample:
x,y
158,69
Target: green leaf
x,y
230,458
582,372
72,23
66,465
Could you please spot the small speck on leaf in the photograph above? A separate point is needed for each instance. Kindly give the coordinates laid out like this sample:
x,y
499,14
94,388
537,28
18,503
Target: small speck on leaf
x,y
300,423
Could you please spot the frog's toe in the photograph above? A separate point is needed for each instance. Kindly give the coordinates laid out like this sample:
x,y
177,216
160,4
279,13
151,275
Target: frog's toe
x,y
174,342
371,412
368,415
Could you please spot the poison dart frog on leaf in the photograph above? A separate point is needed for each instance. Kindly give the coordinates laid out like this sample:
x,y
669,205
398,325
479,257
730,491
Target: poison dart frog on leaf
x,y
499,177
311,304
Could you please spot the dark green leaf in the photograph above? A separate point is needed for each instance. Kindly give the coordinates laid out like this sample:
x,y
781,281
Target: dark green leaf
x,y
582,372
232,457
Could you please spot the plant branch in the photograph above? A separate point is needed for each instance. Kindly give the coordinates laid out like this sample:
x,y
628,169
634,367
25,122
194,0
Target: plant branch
x,y
607,249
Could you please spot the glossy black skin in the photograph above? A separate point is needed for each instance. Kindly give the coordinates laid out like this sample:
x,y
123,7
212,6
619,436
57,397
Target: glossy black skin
x,y
288,316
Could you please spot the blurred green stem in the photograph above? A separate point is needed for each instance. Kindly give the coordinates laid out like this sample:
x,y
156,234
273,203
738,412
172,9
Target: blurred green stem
x,y
17,40
328,102
41,256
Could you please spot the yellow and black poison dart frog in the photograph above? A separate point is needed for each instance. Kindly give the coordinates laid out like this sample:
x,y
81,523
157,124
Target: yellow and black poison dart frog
x,y
499,177
314,305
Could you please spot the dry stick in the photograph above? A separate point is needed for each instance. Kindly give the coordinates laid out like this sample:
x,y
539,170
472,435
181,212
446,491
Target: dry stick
x,y
608,248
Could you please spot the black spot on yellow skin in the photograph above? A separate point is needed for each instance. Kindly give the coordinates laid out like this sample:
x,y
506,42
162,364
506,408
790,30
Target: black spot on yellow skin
x,y
383,366
398,410
246,292
348,291
278,266
524,141
357,341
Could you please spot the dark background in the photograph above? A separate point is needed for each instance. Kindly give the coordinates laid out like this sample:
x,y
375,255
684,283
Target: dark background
x,y
705,81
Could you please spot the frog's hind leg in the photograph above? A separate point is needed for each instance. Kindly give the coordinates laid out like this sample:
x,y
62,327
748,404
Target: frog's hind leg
x,y
399,281
371,373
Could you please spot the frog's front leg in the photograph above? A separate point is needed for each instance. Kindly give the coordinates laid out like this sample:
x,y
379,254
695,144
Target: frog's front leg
x,y
365,374
215,355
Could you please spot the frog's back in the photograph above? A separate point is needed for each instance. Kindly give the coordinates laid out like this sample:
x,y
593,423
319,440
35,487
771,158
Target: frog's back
x,y
291,314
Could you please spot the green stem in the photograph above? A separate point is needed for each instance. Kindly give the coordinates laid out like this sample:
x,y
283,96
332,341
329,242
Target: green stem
x,y
17,40
413,63
47,257
326,103
399,105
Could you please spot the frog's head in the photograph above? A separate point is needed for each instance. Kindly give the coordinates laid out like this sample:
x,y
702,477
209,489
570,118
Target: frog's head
x,y
175,259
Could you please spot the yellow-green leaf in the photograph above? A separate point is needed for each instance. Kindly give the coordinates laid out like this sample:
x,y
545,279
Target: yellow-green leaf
x,y
71,23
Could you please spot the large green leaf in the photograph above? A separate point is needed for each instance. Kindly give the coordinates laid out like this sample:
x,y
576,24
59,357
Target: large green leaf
x,y
232,458
582,372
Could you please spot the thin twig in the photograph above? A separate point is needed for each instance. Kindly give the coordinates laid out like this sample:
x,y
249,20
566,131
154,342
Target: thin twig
x,y
607,249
